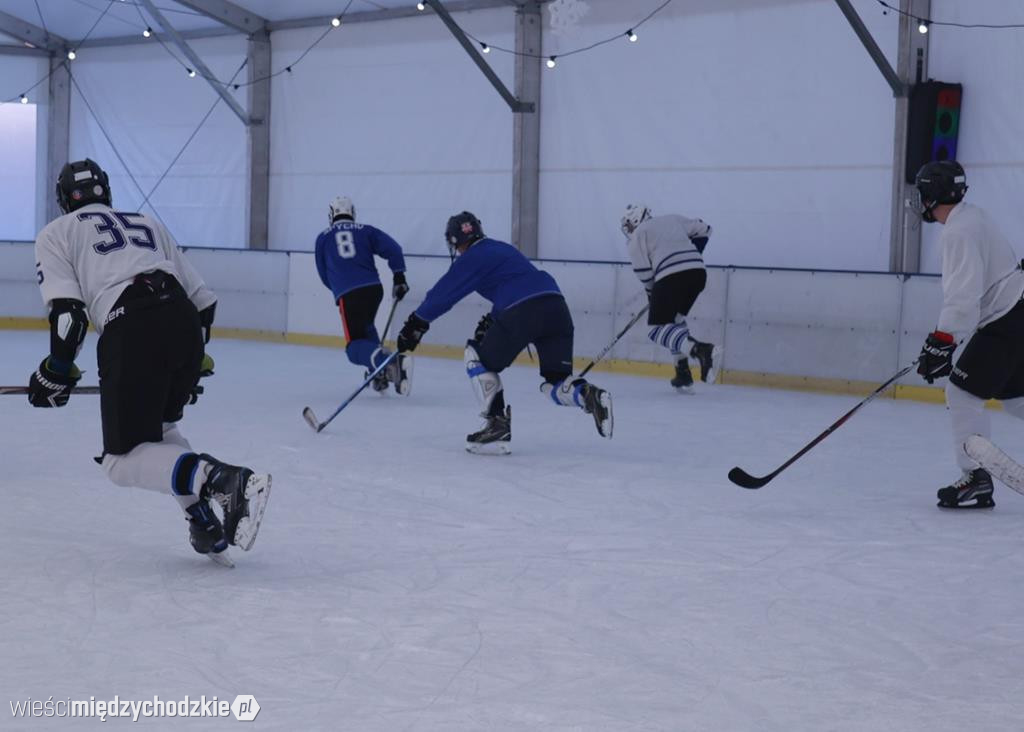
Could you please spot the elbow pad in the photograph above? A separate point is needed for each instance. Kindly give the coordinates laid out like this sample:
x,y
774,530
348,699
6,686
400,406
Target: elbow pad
x,y
206,321
68,325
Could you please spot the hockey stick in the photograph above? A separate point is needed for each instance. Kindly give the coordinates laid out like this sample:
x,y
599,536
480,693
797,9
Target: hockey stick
x,y
611,345
24,390
310,418
745,480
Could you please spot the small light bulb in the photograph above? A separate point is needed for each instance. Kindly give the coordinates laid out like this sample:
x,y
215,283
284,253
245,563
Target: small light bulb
x,y
421,6
72,55
551,62
147,33
191,73
336,21
922,28
485,47
24,99
631,36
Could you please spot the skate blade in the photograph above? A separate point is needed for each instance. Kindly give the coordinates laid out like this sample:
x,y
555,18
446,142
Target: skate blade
x,y
222,558
967,506
489,448
257,492
685,390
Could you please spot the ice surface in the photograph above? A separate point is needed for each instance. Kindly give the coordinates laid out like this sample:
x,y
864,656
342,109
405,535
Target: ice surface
x,y
399,583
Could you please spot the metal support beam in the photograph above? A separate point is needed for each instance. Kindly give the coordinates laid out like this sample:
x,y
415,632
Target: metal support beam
x,y
526,131
912,67
58,129
197,62
25,32
258,207
7,50
319,21
474,53
899,88
228,13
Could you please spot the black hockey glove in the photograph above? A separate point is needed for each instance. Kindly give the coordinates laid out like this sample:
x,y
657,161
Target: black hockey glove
x,y
482,327
411,333
48,387
399,287
936,359
700,242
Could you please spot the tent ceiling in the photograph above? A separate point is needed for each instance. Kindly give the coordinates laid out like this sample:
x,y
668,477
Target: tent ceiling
x,y
72,19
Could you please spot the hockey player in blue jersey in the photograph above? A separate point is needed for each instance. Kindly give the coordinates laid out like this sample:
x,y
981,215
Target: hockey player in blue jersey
x,y
344,259
528,308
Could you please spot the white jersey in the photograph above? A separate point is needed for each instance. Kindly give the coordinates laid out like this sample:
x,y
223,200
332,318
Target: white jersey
x,y
661,246
95,252
981,274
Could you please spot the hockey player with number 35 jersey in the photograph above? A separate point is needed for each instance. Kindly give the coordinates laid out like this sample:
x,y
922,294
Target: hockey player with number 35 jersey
x,y
153,313
345,254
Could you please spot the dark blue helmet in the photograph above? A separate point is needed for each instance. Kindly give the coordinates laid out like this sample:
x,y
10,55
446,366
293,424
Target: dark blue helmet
x,y
463,229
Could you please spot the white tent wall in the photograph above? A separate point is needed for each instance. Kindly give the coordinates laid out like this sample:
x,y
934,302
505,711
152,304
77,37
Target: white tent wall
x,y
149,106
19,73
396,116
766,118
989,64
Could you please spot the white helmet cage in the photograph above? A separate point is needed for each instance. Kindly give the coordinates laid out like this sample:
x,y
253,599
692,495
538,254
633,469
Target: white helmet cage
x,y
636,214
342,206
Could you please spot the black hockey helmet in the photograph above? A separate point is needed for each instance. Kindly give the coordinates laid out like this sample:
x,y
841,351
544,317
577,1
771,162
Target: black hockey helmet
x,y
939,182
80,183
463,229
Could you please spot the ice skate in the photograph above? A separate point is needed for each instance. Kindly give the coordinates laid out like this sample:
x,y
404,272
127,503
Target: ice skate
x,y
708,357
242,494
495,438
683,380
399,373
973,490
380,381
598,403
206,534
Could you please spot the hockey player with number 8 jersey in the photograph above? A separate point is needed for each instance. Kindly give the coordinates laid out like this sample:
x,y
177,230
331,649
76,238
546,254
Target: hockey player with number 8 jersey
x,y
345,254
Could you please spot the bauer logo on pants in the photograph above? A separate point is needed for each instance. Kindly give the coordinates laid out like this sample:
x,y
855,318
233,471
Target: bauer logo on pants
x,y
245,707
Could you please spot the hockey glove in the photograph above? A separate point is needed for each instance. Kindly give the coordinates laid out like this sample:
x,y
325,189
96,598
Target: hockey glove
x,y
700,242
482,327
50,387
936,359
411,333
400,287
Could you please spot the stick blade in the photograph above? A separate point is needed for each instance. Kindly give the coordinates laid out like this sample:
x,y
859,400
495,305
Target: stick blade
x,y
307,414
745,480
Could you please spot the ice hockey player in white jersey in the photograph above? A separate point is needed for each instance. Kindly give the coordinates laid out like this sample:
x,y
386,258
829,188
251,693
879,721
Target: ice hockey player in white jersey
x,y
124,272
982,285
667,256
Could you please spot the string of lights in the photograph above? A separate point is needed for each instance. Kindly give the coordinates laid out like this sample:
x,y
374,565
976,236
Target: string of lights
x,y
923,24
552,60
23,96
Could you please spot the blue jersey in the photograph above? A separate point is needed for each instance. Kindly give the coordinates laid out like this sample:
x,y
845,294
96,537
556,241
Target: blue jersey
x,y
497,271
344,256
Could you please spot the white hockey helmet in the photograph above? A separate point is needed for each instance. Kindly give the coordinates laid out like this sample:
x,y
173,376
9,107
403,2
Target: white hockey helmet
x,y
636,214
342,206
